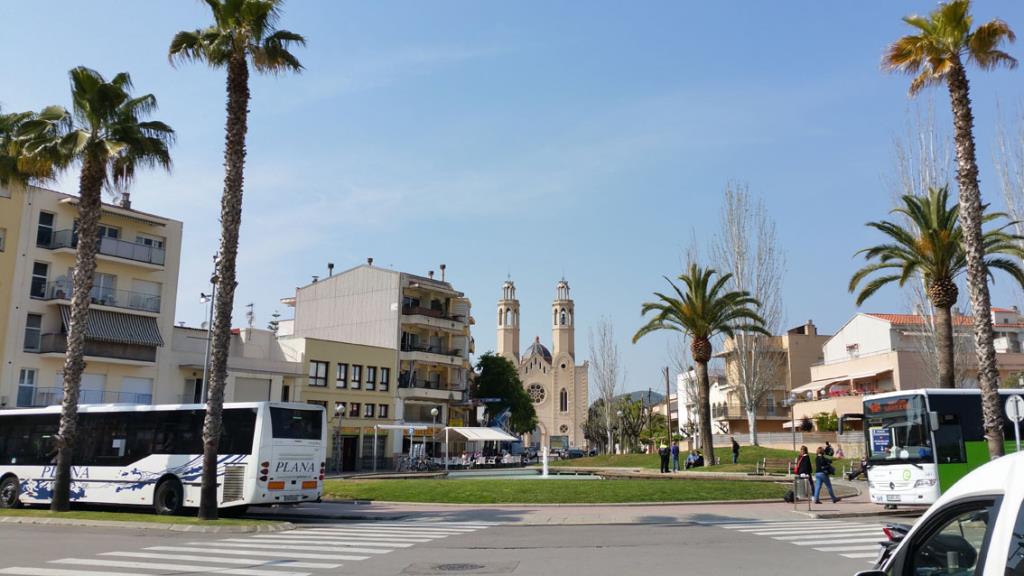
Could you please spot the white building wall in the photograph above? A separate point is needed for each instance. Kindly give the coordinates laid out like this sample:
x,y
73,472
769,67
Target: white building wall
x,y
861,336
361,306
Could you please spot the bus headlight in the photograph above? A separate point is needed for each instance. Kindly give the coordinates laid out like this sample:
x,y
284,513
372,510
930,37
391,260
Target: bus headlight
x,y
920,483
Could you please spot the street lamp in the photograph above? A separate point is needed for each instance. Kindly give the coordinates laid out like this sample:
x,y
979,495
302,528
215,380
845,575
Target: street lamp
x,y
433,429
621,441
789,402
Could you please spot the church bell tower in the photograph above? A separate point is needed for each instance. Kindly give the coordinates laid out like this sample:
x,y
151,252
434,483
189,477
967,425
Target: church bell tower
x,y
563,314
508,323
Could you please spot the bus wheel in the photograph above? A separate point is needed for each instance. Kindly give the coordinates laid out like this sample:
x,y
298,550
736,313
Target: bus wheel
x,y
168,498
9,489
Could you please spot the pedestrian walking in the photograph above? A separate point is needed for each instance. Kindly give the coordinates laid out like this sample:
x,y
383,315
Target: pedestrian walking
x,y
735,450
823,465
663,453
803,467
828,450
675,456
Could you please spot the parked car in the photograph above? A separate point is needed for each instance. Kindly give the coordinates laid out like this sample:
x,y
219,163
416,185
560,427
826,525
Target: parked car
x,y
575,453
976,527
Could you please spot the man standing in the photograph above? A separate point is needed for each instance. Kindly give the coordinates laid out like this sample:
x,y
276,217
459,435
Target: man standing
x,y
663,454
675,456
735,450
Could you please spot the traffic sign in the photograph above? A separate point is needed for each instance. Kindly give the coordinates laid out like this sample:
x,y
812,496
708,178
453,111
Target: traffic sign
x,y
1015,408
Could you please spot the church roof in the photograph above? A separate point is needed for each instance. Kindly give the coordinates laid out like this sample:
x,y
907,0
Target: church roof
x,y
538,349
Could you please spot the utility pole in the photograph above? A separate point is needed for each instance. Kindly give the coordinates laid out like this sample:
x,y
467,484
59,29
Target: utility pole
x,y
668,407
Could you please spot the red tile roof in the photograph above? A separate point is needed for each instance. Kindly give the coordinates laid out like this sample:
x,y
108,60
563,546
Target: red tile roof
x,y
994,309
917,320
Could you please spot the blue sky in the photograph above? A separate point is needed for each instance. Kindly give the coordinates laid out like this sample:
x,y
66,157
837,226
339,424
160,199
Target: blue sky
x,y
526,139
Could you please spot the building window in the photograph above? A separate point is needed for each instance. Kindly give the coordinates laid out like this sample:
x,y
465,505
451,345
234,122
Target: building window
x,y
104,289
44,233
341,377
562,318
371,377
3,238
357,376
147,240
26,387
385,377
320,403
317,373
382,411
353,410
563,400
40,274
770,404
33,332
368,410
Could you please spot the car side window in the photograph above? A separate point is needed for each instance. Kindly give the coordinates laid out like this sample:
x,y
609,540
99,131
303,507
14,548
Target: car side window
x,y
956,546
1015,560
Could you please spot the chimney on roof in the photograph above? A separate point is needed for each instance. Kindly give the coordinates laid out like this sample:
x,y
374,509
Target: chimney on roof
x,y
316,279
330,269
430,274
126,200
810,329
442,272
369,261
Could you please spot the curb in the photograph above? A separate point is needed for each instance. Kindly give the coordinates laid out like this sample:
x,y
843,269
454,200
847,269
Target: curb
x,y
876,514
195,528
552,505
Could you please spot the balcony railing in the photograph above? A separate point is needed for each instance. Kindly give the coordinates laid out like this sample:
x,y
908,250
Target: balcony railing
x,y
32,397
733,412
407,381
408,310
111,247
57,343
107,297
442,350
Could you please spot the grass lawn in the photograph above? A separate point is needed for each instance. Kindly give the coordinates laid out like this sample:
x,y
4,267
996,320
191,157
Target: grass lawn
x,y
749,456
497,491
128,517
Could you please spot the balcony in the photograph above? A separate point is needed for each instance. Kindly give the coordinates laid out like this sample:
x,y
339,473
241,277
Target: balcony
x,y
433,318
433,389
433,354
111,247
40,397
737,412
126,299
57,344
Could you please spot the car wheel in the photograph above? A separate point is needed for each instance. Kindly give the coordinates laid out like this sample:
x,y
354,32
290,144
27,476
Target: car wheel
x,y
9,489
168,499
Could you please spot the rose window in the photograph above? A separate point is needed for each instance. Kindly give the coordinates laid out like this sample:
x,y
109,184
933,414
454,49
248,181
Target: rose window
x,y
536,392
564,428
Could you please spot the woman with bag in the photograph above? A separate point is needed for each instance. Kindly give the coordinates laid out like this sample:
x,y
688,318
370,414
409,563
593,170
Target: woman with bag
x,y
823,464
802,468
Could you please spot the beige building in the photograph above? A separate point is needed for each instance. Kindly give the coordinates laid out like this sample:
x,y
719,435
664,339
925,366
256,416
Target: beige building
x,y
556,384
875,353
790,357
131,314
423,321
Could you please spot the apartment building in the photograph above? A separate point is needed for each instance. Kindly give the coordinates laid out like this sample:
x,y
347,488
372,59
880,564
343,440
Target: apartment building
x,y
133,298
786,359
875,353
423,321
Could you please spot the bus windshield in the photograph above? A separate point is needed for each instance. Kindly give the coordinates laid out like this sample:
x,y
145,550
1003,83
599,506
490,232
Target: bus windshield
x,y
896,430
296,424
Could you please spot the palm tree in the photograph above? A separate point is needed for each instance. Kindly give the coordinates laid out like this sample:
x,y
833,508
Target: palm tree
x,y
244,31
16,167
932,247
937,54
702,312
106,132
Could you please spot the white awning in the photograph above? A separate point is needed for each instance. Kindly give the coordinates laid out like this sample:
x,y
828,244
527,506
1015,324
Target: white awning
x,y
482,434
817,385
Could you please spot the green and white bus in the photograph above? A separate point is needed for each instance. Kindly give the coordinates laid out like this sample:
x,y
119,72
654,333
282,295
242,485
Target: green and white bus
x,y
920,442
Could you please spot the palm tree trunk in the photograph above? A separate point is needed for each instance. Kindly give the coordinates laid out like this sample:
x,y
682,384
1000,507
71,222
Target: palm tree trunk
x,y
977,272
944,344
89,203
231,221
703,398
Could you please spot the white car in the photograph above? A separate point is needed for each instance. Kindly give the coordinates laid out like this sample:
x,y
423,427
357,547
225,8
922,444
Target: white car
x,y
976,527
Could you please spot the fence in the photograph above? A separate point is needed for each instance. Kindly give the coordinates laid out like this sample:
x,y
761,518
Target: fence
x,y
852,443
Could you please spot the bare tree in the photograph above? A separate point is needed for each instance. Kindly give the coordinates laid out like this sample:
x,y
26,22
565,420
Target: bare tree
x,y
677,352
605,370
747,246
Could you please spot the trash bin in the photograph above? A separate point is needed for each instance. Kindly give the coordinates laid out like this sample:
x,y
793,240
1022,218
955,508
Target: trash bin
x,y
802,487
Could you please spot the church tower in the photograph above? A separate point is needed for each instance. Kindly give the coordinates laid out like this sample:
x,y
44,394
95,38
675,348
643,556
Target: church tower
x,y
563,314
508,323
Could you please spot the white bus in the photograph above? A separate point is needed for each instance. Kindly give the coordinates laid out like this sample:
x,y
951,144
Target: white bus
x,y
269,453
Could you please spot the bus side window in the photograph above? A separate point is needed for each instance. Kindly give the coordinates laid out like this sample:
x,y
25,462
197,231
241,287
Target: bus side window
x,y
949,440
1015,561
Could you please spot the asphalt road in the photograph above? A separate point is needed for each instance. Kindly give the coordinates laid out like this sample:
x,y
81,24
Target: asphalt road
x,y
783,546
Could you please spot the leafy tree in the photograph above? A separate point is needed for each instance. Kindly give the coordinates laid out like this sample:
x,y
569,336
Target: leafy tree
x,y
932,246
936,54
498,378
106,132
243,32
827,422
703,311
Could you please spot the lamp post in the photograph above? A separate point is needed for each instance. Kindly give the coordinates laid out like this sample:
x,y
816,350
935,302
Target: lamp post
x,y
790,402
433,429
211,298
621,436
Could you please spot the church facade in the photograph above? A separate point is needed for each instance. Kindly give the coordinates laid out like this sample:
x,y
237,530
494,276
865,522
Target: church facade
x,y
555,383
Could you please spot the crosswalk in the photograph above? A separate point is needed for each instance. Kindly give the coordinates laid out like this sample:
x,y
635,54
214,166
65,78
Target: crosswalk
x,y
855,540
300,552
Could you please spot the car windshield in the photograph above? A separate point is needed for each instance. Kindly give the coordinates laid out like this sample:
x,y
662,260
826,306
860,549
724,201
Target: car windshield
x,y
896,430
